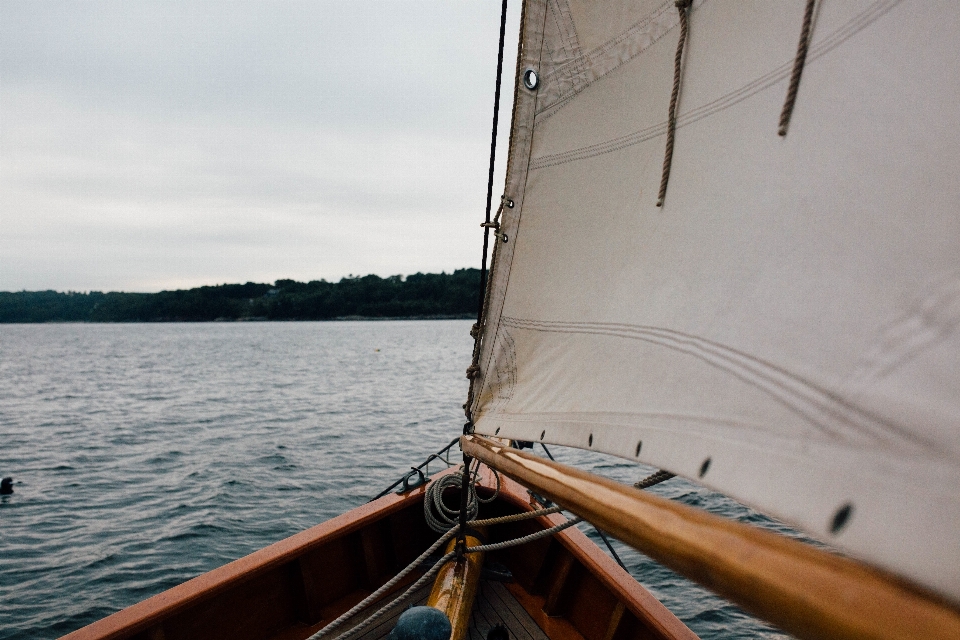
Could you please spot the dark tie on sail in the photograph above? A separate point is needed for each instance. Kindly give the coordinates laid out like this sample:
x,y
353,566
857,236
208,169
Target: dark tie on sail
x,y
798,64
683,6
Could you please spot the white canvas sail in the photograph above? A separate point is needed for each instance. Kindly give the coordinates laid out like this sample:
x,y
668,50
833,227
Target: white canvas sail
x,y
786,328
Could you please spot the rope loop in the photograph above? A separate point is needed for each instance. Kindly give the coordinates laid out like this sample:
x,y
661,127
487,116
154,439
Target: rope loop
x,y
442,518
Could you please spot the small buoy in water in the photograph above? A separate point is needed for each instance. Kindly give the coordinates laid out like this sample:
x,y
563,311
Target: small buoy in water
x,y
422,623
6,486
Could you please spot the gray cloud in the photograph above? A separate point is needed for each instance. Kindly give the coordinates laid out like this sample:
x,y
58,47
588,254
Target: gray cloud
x,y
152,145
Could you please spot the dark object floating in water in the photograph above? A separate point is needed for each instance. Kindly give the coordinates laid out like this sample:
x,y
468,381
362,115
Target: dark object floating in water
x,y
421,623
6,486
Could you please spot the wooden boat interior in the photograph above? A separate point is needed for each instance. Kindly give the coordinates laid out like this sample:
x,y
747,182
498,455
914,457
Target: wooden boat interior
x,y
561,587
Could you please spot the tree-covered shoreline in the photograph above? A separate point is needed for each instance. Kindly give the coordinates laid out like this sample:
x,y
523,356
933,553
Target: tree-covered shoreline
x,y
421,295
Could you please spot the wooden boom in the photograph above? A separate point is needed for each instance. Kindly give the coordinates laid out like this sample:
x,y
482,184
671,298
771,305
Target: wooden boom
x,y
806,591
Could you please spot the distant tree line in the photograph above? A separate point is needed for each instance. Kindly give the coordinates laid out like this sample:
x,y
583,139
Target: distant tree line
x,y
422,295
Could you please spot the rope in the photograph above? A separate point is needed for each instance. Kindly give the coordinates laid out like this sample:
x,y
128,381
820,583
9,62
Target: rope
x,y
682,7
516,518
654,478
423,465
613,551
385,588
442,518
474,368
390,605
798,63
436,567
516,542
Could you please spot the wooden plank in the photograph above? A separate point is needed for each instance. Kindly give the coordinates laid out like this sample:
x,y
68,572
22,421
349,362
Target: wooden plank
x,y
483,618
553,628
613,624
375,554
650,614
512,614
806,591
378,631
559,583
589,606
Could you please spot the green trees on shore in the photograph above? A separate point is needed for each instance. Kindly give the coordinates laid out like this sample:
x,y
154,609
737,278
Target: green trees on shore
x,y
416,296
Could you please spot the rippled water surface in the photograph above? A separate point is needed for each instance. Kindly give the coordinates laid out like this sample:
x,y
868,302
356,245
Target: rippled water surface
x,y
146,454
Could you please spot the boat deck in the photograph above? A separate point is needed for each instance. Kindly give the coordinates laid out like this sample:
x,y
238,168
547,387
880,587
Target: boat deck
x,y
564,587
494,605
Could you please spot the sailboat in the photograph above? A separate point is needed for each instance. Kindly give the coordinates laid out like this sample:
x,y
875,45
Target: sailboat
x,y
728,246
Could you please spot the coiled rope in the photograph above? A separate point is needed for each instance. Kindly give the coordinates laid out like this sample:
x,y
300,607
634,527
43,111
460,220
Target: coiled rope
x,y
442,518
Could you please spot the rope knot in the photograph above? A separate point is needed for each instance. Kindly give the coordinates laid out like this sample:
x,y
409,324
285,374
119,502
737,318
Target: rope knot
x,y
475,330
683,4
473,371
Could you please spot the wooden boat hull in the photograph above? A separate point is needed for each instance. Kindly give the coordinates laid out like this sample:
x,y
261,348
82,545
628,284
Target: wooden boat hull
x,y
291,589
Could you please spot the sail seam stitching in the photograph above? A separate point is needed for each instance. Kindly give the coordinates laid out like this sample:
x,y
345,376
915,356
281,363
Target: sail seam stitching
x,y
797,394
828,44
605,58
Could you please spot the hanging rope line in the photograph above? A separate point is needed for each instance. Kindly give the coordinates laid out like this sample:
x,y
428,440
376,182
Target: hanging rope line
x,y
682,7
613,551
798,63
649,481
474,369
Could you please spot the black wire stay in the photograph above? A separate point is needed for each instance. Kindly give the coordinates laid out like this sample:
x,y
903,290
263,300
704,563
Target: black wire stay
x,y
443,455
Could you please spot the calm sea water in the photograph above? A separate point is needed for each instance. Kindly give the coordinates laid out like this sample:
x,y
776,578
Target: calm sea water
x,y
146,454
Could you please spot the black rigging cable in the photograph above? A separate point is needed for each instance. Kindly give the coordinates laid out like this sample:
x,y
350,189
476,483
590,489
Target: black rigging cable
x,y
472,371
493,159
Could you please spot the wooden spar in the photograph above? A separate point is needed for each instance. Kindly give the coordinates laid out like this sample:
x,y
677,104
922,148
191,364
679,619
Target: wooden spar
x,y
455,587
806,591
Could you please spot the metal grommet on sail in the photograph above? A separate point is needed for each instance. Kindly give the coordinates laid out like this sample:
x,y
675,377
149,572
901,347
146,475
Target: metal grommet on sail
x,y
531,79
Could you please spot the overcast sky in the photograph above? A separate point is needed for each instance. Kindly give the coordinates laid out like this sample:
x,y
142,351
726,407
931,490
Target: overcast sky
x,y
150,145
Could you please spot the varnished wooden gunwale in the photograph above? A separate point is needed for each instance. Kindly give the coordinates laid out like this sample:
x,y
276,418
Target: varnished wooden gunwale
x,y
142,616
291,589
806,591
